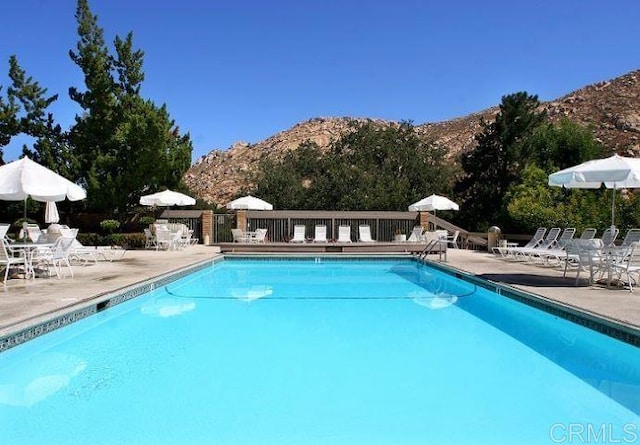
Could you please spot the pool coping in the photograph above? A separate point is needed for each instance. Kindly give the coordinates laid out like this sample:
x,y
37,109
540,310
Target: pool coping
x,y
47,322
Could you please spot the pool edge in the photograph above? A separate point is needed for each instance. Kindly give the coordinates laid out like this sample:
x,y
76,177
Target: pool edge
x,y
611,327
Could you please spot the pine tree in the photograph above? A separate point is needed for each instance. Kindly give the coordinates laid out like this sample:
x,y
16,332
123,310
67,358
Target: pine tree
x,y
497,161
50,148
126,145
9,124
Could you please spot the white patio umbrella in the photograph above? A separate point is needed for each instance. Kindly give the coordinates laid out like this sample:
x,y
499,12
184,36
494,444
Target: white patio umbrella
x,y
167,198
433,203
25,178
51,215
615,172
249,203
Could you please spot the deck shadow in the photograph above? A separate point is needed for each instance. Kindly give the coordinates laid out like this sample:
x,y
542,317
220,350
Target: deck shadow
x,y
526,279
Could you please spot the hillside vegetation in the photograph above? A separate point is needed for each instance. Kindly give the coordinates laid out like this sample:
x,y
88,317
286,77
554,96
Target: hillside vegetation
x,y
611,109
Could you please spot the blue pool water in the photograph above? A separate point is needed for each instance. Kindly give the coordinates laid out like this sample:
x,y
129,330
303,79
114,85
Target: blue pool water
x,y
320,352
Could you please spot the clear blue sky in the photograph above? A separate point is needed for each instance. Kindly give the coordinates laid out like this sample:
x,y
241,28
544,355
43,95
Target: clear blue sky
x,y
233,70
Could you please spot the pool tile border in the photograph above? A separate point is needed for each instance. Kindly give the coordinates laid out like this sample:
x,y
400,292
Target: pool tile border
x,y
612,328
98,304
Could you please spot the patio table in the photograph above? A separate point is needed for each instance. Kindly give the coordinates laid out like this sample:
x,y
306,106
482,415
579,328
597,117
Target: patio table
x,y
27,250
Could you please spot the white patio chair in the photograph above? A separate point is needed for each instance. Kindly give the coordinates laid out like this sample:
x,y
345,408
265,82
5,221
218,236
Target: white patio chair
x,y
260,236
298,234
630,265
452,241
585,255
238,236
320,234
149,239
56,256
344,234
165,239
364,232
8,260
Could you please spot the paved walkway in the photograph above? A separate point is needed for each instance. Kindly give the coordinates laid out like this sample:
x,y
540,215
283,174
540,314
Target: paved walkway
x,y
616,304
27,302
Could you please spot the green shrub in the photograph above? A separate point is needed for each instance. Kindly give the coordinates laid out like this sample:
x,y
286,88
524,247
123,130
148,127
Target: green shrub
x,y
146,220
91,239
109,225
126,240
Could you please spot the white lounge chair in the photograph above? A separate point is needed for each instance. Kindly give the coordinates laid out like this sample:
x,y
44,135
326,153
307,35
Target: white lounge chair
x,y
364,232
416,235
344,234
298,234
554,255
321,234
550,241
609,236
589,233
509,252
632,236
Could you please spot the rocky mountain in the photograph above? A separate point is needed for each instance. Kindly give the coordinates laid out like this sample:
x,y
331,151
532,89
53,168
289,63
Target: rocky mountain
x,y
611,108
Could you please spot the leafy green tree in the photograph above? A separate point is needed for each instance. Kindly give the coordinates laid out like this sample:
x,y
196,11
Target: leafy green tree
x,y
532,203
371,167
555,146
497,161
285,183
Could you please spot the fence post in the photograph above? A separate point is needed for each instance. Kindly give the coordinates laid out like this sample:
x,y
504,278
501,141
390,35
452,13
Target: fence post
x,y
207,226
241,220
424,220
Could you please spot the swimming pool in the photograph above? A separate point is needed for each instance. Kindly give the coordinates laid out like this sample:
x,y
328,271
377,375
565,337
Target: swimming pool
x,y
320,352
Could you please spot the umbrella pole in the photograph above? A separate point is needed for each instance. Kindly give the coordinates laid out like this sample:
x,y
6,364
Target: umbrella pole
x,y
613,206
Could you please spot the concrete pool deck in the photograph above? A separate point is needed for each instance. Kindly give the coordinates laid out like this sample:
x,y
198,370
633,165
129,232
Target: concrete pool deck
x,y
25,303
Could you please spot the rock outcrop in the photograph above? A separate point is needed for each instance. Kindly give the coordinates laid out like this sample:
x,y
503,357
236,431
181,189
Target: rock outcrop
x,y
611,109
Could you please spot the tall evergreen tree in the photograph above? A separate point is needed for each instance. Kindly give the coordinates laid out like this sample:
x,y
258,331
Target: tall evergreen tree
x,y
126,145
9,124
91,134
50,148
496,162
